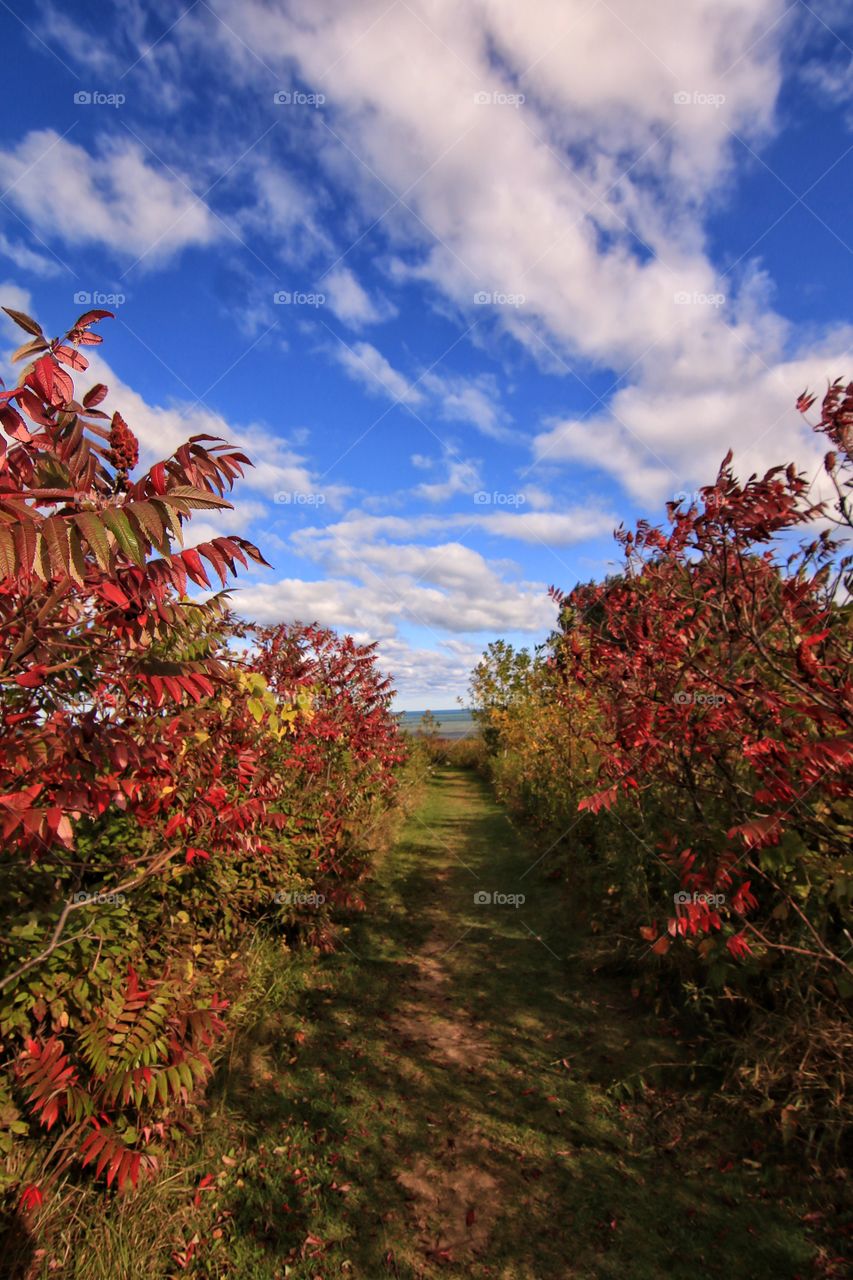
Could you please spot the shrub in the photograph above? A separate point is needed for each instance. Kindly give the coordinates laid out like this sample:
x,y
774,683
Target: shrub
x,y
688,736
161,793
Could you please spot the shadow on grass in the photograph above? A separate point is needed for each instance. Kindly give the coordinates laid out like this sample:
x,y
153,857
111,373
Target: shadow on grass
x,y
581,1185
17,1247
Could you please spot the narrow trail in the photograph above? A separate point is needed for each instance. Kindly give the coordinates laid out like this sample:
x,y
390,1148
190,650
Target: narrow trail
x,y
460,1090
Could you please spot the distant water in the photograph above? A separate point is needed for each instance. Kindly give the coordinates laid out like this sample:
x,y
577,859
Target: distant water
x,y
457,723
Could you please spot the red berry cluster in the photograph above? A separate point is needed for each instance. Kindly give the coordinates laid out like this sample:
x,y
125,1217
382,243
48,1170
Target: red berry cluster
x,y
124,447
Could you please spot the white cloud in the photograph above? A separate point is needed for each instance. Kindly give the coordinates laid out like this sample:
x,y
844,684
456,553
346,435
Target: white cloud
x,y
368,366
475,400
462,475
432,678
585,204
350,301
355,530
118,198
278,467
550,528
26,259
16,299
453,397
586,200
376,609
659,440
445,586
537,498
107,55
281,208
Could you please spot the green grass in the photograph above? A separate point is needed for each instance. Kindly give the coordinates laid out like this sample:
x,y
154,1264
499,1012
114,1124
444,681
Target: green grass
x,y
454,1093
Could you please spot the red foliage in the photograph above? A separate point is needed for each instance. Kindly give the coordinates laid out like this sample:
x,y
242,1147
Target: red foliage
x,y
719,675
144,756
85,613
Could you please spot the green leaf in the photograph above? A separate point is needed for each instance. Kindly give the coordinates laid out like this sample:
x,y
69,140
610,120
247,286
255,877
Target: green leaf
x,y
119,525
55,532
77,561
151,522
93,531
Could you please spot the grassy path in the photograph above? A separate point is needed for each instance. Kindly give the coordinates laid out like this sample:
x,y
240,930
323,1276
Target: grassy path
x,y
443,1098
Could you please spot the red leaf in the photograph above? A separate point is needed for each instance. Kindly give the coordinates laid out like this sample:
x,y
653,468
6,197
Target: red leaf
x,y
110,591
32,679
158,477
93,397
195,568
32,1197
738,946
91,317
600,800
14,425
72,358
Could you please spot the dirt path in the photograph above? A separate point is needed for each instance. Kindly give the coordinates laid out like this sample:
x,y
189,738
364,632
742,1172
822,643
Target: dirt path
x,y
457,1096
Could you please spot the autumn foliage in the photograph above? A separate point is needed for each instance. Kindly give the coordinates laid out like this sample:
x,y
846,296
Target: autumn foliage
x,y
686,740
171,780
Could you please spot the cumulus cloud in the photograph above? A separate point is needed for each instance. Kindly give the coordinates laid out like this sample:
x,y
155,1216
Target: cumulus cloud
x,y
431,677
554,529
445,585
281,473
121,199
577,212
543,176
657,440
15,298
377,608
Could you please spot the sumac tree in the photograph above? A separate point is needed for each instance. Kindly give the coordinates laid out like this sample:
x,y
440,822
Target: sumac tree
x,y
162,793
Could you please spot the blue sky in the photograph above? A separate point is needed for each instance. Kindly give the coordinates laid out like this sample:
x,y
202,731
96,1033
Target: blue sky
x,y
471,284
